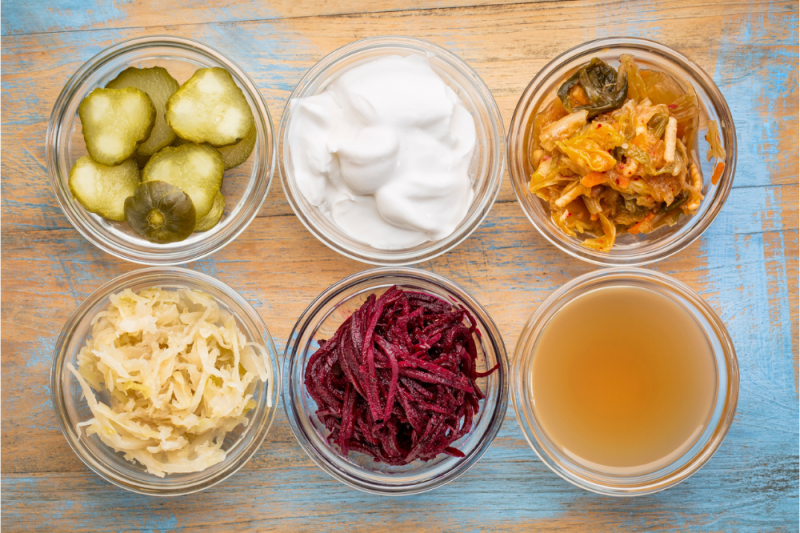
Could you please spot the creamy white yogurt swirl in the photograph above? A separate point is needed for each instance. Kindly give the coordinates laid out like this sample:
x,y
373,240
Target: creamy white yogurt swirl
x,y
384,152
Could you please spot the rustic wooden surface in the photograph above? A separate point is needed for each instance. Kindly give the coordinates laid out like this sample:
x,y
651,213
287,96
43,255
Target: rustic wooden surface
x,y
745,265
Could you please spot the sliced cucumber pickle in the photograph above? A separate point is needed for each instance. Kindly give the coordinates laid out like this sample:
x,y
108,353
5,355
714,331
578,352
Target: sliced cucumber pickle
x,y
236,154
160,212
159,86
210,108
195,169
102,189
115,122
179,142
141,160
213,217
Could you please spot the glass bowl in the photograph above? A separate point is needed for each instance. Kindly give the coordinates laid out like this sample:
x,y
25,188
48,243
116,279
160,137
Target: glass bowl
x,y
486,168
628,249
245,187
320,321
724,402
71,408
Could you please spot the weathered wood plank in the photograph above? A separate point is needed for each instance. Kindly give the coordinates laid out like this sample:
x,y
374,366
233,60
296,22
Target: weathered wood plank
x,y
745,266
69,15
294,496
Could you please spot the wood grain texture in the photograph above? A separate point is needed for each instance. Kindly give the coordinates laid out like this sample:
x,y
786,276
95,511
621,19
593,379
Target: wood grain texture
x,y
745,265
67,15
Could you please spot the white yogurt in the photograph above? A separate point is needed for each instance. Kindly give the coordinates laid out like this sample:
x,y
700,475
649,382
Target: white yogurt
x,y
384,152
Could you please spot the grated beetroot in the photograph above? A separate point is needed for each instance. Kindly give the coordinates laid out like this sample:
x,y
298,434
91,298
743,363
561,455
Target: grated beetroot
x,y
397,381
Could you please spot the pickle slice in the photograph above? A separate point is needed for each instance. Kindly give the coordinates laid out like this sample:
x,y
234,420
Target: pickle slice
x,y
179,142
160,212
236,154
159,86
115,122
213,217
141,160
210,108
194,168
232,155
101,189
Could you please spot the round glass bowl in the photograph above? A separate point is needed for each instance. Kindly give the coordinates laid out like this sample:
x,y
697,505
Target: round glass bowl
x,y
724,398
245,187
629,249
486,168
71,409
321,320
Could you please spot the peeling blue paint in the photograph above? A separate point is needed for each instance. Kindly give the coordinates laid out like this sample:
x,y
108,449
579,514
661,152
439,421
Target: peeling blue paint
x,y
21,16
737,280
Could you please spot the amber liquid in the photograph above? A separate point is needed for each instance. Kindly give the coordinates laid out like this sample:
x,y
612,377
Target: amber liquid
x,y
623,380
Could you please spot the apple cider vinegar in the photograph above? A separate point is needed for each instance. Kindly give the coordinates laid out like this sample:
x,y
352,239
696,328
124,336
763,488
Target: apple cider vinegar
x,y
623,380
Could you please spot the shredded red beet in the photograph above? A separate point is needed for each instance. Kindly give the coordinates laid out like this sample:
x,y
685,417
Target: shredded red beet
x,y
397,379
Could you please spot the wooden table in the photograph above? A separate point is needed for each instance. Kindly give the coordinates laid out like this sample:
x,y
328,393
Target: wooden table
x,y
745,265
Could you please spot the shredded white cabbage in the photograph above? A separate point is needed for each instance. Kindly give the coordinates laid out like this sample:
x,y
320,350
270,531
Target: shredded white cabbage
x,y
179,374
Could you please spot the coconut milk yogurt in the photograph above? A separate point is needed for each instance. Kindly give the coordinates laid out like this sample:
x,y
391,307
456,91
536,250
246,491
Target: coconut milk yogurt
x,y
384,152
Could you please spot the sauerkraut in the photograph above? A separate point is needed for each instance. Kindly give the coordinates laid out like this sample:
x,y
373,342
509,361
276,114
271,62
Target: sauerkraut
x,y
178,375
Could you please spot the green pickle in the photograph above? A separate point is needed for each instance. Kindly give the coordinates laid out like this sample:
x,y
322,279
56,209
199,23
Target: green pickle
x,y
213,217
157,83
141,160
236,154
210,108
160,212
179,142
115,122
101,189
158,150
195,169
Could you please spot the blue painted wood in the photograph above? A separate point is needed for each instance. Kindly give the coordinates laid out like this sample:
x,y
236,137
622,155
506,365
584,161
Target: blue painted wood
x,y
745,266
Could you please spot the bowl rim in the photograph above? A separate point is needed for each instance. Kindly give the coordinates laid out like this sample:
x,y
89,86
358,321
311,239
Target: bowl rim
x,y
698,225
74,439
645,277
349,476
496,173
262,177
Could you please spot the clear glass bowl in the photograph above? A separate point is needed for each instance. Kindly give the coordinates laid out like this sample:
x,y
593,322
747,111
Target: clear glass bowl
x,y
245,187
629,249
486,168
320,321
726,395
71,408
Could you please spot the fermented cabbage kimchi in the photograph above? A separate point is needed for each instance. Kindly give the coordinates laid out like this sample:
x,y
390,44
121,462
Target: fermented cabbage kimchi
x,y
614,152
